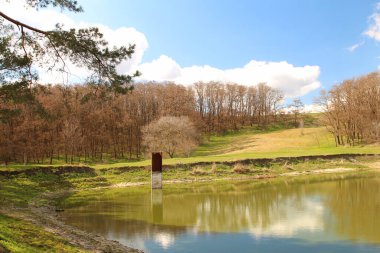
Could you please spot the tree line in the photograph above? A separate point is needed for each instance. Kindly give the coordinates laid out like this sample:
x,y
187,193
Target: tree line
x,y
86,123
352,110
222,107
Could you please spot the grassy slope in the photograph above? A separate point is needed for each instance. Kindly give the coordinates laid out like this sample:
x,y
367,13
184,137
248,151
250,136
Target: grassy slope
x,y
17,235
248,143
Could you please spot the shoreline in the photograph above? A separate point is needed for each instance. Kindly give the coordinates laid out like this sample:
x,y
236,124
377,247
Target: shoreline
x,y
49,219
81,168
258,177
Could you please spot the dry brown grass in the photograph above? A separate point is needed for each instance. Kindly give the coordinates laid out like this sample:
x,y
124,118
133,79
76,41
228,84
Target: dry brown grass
x,y
214,168
288,166
198,171
241,168
285,139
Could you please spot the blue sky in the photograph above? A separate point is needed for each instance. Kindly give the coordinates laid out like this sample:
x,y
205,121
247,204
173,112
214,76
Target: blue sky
x,y
229,34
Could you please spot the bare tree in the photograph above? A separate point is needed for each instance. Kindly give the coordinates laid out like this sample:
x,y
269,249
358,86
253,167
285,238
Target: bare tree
x,y
172,135
297,108
352,110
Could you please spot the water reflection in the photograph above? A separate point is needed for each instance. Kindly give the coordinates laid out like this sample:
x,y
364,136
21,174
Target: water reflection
x,y
324,212
293,220
157,206
355,210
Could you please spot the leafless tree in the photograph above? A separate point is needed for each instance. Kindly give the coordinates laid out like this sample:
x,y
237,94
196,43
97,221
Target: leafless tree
x,y
172,135
352,110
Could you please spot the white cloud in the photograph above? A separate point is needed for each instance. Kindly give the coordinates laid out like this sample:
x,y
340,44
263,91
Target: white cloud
x,y
313,108
293,80
162,69
164,239
355,46
46,19
373,30
296,220
308,108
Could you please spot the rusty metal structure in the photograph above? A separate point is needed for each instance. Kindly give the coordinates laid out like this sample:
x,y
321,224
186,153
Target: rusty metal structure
x,y
157,170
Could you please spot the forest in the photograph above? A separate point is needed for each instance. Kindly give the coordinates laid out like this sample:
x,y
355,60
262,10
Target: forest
x,y
86,123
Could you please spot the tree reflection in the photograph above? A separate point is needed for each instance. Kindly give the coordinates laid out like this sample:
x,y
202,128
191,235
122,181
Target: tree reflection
x,y
355,209
335,209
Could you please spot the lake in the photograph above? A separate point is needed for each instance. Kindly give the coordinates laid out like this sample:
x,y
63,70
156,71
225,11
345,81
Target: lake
x,y
329,214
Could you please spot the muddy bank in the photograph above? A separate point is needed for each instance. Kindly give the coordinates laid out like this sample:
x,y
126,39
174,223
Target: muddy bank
x,y
256,161
53,170
48,218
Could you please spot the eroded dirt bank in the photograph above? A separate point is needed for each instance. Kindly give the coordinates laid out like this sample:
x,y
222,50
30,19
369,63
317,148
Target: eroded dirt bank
x,y
255,161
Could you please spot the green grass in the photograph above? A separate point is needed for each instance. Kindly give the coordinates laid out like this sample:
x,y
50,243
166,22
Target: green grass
x,y
20,236
16,194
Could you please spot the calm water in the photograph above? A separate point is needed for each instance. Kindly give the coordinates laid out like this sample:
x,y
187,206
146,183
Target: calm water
x,y
335,215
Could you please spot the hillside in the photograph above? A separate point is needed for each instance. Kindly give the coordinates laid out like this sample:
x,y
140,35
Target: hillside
x,y
250,143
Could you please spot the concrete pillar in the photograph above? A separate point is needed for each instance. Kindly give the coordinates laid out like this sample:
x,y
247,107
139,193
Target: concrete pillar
x,y
157,170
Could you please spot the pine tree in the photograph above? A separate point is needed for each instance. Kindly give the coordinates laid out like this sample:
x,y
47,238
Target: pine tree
x,y
22,47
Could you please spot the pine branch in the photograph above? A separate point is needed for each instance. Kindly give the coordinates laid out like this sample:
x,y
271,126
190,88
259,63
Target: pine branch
x,y
18,23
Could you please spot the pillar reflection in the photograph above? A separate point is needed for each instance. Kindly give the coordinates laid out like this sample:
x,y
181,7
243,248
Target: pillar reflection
x,y
157,207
